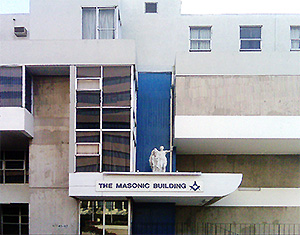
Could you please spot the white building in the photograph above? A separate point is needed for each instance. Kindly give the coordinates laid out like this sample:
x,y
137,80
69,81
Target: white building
x,y
89,88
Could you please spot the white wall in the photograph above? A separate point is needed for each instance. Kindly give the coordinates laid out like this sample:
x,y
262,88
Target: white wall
x,y
160,36
67,52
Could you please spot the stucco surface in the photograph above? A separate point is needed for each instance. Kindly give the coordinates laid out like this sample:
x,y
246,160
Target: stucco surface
x,y
238,95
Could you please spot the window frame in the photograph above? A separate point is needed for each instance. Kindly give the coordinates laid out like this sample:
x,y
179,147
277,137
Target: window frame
x,y
250,39
4,169
294,39
105,211
200,40
102,107
98,28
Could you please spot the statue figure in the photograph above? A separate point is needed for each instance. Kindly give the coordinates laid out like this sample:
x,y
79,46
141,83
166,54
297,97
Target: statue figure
x,y
158,160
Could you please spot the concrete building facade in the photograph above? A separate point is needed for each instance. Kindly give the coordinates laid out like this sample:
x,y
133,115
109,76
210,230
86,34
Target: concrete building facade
x,y
89,88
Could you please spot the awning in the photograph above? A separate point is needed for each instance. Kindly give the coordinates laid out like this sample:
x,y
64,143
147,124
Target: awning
x,y
182,188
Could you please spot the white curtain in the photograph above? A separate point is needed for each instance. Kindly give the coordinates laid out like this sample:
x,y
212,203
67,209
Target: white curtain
x,y
295,37
106,23
89,23
295,32
200,38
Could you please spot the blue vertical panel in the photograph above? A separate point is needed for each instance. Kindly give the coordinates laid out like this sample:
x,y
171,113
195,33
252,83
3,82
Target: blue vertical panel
x,y
153,218
153,116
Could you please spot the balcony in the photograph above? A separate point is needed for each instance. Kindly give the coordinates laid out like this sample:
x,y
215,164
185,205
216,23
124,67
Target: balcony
x,y
16,101
237,134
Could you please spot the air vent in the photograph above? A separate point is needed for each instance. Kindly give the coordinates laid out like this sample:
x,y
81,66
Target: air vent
x,y
20,31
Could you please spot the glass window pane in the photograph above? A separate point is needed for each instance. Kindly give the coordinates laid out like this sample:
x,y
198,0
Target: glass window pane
x,y
14,164
250,45
10,218
116,151
116,118
10,209
89,23
295,44
116,217
151,7
1,177
205,33
24,209
25,229
14,176
87,149
88,84
87,137
295,32
28,91
106,23
88,99
250,32
88,118
116,86
9,229
83,72
91,217
14,155
24,219
10,86
88,164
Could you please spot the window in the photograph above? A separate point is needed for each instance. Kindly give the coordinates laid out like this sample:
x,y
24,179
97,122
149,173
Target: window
x,y
99,23
150,7
14,219
200,38
295,38
13,167
110,217
250,38
12,88
104,110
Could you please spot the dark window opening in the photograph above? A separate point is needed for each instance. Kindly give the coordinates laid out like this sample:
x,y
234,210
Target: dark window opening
x,y
151,7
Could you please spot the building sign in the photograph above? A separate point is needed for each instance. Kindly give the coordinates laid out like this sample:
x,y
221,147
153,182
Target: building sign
x,y
149,184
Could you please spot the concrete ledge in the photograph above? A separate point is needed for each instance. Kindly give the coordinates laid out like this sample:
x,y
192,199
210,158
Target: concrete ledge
x,y
58,52
14,193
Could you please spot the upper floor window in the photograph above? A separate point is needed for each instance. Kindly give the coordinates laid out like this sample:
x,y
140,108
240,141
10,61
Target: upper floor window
x,y
295,38
200,38
250,38
99,23
150,7
13,167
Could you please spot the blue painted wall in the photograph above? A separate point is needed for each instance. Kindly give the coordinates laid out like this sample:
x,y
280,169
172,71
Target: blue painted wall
x,y
153,116
153,218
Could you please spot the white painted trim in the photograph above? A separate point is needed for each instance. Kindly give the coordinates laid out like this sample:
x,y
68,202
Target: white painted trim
x,y
16,119
264,197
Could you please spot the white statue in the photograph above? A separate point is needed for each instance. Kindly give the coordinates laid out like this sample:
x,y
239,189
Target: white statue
x,y
158,160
